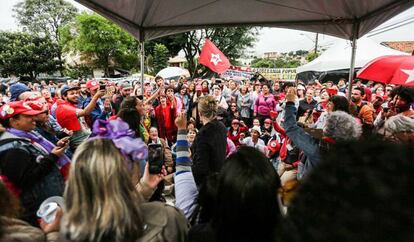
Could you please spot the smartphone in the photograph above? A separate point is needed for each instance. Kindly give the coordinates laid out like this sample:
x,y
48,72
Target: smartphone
x,y
102,87
155,158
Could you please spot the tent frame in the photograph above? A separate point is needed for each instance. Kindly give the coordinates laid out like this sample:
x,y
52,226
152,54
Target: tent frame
x,y
142,32
354,41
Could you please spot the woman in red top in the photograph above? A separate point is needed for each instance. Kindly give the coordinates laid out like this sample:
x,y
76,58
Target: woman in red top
x,y
165,113
235,131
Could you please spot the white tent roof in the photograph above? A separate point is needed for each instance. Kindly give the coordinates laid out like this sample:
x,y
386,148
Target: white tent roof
x,y
149,19
338,56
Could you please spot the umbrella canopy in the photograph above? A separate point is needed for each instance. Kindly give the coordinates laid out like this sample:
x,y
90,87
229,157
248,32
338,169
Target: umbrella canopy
x,y
338,55
150,19
390,70
170,72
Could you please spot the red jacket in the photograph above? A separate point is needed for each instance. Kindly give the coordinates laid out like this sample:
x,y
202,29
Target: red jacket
x,y
166,122
236,138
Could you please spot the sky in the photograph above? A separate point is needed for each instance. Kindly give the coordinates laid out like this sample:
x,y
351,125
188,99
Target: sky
x,y
269,39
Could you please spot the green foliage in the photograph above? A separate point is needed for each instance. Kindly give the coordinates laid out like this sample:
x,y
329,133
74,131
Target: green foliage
x,y
275,63
170,42
44,16
101,43
160,59
311,56
24,54
79,71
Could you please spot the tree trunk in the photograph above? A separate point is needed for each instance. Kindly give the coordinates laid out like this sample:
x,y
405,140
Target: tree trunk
x,y
59,51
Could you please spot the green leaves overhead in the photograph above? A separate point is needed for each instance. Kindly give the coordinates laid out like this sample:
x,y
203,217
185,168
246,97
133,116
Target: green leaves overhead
x,y
100,42
24,54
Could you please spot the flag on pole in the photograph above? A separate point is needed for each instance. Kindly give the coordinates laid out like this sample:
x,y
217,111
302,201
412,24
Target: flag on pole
x,y
213,58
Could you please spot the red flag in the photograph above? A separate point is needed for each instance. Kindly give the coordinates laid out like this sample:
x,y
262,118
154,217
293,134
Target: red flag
x,y
213,58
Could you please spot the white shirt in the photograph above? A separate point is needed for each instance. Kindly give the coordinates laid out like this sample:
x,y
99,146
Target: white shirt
x,y
260,145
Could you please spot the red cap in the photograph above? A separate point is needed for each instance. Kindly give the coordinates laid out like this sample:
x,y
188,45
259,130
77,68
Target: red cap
x,y
332,91
268,121
20,107
273,146
235,121
92,85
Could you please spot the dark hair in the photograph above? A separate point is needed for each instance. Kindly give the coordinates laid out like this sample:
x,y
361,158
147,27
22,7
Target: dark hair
x,y
129,102
6,122
361,89
132,118
158,78
358,197
207,198
267,84
247,203
405,93
169,88
340,103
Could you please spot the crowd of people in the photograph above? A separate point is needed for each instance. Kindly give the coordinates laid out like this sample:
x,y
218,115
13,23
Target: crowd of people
x,y
250,160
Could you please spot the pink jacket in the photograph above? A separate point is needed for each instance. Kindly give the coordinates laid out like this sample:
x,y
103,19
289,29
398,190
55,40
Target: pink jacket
x,y
264,105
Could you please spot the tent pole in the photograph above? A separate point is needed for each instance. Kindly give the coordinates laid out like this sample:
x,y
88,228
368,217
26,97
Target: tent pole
x,y
142,56
355,29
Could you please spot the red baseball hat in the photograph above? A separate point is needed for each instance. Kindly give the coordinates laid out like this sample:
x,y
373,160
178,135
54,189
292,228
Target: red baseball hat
x,y
20,107
273,146
268,121
92,85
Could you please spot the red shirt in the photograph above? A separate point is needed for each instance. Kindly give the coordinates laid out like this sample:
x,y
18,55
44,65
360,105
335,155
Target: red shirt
x,y
66,115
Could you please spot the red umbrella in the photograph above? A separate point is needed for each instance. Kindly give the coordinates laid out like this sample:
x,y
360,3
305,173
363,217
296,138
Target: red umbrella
x,y
392,69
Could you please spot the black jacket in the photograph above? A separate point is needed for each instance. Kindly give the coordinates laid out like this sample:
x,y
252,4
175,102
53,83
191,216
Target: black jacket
x,y
32,171
209,150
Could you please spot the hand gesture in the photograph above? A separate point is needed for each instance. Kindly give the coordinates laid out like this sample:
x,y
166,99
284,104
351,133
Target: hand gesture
x,y
63,142
59,150
152,180
181,121
55,225
99,94
291,95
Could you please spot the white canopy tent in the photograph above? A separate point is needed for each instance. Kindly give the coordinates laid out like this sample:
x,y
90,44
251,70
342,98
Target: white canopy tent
x,y
338,55
149,19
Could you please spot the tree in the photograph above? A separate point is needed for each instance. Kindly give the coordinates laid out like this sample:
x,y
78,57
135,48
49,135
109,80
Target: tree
x,y
286,62
101,42
170,42
311,56
24,54
160,59
45,18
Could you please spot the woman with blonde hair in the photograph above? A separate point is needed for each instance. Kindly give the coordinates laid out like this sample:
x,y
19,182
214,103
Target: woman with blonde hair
x,y
102,203
209,147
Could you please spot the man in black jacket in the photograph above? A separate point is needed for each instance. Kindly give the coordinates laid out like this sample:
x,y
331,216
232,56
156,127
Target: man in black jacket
x,y
209,147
